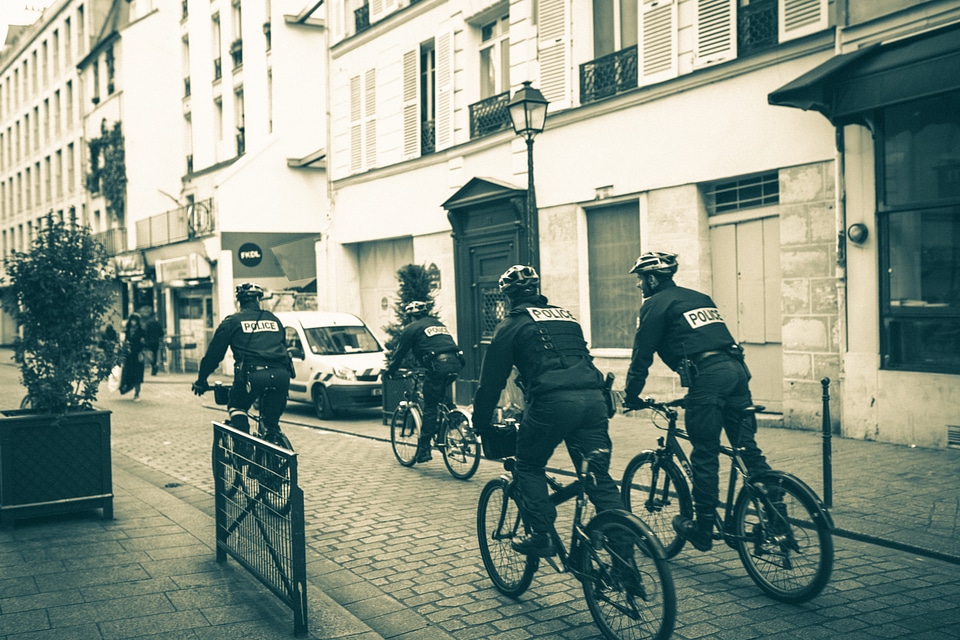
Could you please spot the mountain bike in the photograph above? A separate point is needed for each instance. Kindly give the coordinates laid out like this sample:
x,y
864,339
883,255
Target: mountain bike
x,y
259,461
777,524
455,439
625,575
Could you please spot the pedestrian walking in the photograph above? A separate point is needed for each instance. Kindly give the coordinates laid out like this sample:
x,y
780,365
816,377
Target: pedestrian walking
x,y
154,335
434,349
563,399
134,343
686,330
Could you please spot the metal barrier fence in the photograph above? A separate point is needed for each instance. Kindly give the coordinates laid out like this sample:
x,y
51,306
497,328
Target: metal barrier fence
x,y
259,514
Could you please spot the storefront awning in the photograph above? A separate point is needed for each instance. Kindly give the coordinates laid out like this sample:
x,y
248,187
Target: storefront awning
x,y
852,84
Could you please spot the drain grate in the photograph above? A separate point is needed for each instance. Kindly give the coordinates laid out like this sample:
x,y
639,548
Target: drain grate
x,y
953,436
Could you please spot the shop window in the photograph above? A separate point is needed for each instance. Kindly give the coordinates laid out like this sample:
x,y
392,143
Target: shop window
x,y
919,228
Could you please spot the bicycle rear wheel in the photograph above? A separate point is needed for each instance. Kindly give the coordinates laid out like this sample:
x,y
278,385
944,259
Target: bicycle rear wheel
x,y
461,451
273,473
405,433
656,492
498,525
784,544
626,578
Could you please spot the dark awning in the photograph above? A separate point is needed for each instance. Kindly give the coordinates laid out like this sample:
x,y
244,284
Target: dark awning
x,y
852,84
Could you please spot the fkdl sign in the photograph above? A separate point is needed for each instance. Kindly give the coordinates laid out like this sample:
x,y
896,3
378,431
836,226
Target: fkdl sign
x,y
250,254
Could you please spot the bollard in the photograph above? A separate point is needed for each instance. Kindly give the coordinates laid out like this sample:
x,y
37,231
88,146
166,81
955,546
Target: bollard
x,y
827,433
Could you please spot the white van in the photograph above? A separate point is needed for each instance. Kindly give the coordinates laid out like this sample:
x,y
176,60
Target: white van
x,y
338,361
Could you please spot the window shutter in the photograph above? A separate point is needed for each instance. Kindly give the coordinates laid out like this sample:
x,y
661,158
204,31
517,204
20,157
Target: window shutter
x,y
356,126
370,117
444,43
657,42
336,7
797,18
716,32
376,10
411,105
553,52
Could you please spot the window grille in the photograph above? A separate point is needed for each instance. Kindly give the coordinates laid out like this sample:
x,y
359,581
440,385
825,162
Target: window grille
x,y
743,193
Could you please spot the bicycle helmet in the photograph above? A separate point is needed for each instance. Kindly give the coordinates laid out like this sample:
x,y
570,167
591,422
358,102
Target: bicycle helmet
x,y
415,308
249,291
519,279
656,262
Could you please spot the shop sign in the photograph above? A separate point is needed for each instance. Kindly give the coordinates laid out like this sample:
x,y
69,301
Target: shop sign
x,y
186,267
250,255
129,265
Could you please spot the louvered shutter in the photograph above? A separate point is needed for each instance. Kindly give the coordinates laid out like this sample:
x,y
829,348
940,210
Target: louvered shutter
x,y
370,117
797,18
716,32
444,44
553,52
356,126
376,10
657,41
411,104
336,8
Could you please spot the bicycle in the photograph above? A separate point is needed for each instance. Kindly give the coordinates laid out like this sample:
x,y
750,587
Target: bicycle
x,y
619,561
261,468
777,524
455,439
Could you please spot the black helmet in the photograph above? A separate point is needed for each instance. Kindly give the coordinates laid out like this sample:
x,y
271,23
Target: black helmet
x,y
415,308
249,291
656,262
519,279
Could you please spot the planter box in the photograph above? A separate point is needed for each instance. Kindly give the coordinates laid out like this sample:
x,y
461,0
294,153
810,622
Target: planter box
x,y
53,464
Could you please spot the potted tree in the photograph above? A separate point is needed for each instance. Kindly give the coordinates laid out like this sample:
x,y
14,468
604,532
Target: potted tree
x,y
55,449
416,283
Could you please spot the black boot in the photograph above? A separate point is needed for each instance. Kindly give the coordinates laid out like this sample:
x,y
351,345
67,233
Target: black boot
x,y
699,533
423,451
535,544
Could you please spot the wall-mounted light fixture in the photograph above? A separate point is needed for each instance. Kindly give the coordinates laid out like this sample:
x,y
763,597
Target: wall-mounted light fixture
x,y
857,233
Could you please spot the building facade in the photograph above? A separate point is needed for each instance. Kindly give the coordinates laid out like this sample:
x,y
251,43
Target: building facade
x,y
660,136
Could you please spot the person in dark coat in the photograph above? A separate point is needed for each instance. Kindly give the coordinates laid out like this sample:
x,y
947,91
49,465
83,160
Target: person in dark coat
x,y
134,343
154,335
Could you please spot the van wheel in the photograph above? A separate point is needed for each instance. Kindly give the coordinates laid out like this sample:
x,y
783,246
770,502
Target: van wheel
x,y
321,404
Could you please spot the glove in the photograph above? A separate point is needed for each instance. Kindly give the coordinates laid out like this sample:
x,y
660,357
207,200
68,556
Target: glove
x,y
634,404
199,387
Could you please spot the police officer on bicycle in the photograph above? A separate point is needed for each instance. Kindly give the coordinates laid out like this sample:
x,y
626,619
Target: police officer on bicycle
x,y
563,398
433,347
261,362
686,330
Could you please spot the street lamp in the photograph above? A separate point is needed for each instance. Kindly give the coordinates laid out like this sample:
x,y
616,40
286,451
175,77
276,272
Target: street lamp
x,y
528,111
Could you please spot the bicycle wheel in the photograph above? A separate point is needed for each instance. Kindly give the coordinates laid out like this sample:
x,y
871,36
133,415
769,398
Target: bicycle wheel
x,y
784,544
498,525
273,473
461,451
626,578
405,433
656,492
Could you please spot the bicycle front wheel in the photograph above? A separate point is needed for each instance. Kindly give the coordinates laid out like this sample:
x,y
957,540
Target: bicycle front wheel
x,y
656,492
783,537
461,451
626,578
498,525
405,433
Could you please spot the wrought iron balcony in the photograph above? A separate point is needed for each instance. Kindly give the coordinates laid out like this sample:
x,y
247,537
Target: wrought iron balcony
x,y
361,18
114,241
241,141
756,26
236,52
183,223
607,76
490,115
428,137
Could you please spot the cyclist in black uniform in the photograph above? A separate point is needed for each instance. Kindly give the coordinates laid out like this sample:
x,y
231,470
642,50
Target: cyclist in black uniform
x,y
437,352
256,338
685,329
563,398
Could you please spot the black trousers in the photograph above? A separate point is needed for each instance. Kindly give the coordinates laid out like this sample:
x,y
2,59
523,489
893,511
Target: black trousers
x,y
717,400
249,386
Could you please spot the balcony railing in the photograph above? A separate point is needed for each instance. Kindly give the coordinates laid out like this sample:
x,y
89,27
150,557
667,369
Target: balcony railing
x,y
184,223
756,26
236,52
428,137
217,69
361,18
607,76
114,241
489,115
241,141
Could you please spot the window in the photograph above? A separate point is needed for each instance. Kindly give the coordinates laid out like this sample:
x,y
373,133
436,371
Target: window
x,y
96,82
71,171
56,52
363,121
238,116
919,218
59,173
614,25
70,103
428,102
47,188
67,42
495,57
428,96
109,62
81,47
217,44
613,234
742,193
56,112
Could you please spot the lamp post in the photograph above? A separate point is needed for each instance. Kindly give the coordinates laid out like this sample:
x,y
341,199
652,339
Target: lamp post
x,y
528,111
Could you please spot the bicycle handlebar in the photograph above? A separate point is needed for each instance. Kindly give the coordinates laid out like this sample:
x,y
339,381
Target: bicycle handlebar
x,y
650,403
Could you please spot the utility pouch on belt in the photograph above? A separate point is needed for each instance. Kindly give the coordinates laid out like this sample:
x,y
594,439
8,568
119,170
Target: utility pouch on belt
x,y
687,371
608,395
